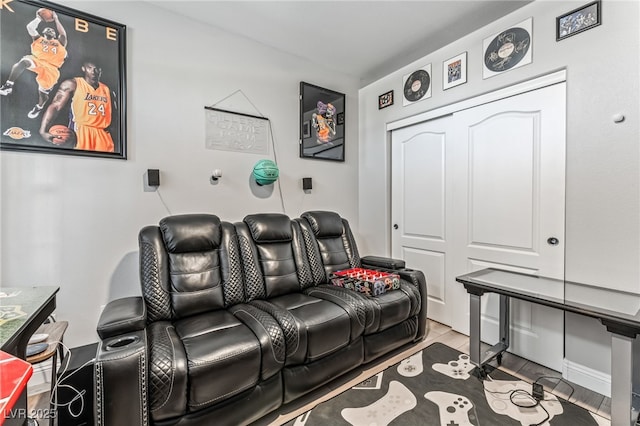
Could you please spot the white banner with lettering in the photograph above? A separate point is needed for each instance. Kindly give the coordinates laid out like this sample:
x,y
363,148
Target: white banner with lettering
x,y
233,131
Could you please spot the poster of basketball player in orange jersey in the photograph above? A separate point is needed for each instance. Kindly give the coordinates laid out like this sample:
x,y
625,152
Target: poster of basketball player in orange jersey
x,y
62,81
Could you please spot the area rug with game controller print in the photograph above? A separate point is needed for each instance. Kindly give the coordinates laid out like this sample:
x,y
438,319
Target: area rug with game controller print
x,y
435,387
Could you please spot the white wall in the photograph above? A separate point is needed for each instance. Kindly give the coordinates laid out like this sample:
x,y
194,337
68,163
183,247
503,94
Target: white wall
x,y
603,161
73,221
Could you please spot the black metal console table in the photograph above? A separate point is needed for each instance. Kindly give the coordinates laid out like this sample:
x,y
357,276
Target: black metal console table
x,y
618,311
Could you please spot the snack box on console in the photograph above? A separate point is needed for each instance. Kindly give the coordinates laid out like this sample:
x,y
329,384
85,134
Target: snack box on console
x,y
367,281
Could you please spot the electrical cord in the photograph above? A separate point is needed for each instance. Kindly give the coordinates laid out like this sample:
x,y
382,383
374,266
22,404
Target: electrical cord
x,y
78,395
273,139
559,379
273,143
162,200
533,402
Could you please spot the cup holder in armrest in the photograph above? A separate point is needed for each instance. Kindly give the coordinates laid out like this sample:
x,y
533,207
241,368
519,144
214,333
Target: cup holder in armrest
x,y
121,342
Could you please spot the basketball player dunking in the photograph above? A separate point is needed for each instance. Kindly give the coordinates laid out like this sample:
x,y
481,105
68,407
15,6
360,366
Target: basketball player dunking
x,y
48,53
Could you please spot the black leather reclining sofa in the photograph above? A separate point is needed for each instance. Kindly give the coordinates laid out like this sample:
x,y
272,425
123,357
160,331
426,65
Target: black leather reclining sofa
x,y
236,320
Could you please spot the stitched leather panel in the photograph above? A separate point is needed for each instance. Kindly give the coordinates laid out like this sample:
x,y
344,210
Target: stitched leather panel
x,y
167,372
270,335
122,383
305,277
155,296
273,330
253,278
313,255
350,245
231,267
286,321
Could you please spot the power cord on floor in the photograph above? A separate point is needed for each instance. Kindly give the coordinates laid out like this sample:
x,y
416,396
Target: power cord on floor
x,y
78,395
531,399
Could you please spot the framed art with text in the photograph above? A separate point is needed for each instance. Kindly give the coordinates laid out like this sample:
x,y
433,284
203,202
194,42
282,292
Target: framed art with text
x,y
578,20
324,109
63,81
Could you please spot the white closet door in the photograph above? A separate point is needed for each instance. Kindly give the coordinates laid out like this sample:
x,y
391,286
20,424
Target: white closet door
x,y
419,197
485,188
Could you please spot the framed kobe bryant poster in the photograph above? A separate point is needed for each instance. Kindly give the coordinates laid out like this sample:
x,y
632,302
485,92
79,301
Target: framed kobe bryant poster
x,y
62,76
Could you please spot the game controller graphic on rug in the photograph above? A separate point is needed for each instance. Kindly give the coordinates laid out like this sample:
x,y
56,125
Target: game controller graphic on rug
x,y
498,397
454,409
601,421
397,401
456,369
301,420
373,382
412,366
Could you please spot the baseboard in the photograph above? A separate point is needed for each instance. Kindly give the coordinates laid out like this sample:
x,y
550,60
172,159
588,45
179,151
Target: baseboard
x,y
587,377
40,381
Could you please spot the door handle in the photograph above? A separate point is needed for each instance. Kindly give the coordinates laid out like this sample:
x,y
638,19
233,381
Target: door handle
x,y
553,241
395,226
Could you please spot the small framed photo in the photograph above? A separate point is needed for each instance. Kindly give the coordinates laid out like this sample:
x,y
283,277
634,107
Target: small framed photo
x,y
306,129
578,20
340,118
454,71
385,100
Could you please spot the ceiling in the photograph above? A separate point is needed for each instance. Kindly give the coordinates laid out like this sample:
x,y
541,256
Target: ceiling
x,y
364,39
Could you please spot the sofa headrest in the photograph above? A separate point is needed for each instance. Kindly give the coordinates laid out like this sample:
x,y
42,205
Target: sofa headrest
x,y
191,232
324,223
269,227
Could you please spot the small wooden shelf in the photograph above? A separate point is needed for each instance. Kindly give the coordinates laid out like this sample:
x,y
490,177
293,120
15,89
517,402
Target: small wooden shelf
x,y
55,330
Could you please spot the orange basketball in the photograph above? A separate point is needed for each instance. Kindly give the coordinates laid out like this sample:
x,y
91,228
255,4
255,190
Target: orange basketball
x,y
45,14
61,134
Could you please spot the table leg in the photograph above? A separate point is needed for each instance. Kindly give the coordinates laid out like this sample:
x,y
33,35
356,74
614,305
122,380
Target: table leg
x,y
621,380
504,319
474,329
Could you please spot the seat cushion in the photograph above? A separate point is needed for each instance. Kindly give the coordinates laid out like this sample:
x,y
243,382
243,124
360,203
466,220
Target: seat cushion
x,y
327,325
394,307
383,311
223,357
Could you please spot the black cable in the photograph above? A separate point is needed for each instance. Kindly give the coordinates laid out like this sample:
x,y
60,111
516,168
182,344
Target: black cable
x,y
535,402
547,413
560,379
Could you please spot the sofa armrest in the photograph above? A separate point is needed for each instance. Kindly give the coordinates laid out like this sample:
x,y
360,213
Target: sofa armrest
x,y
417,278
382,262
121,380
122,316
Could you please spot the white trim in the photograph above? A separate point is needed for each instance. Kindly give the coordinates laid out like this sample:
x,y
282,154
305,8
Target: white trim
x,y
589,378
40,381
527,86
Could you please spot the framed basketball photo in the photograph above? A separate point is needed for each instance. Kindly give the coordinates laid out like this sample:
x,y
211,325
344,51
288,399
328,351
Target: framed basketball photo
x,y
62,81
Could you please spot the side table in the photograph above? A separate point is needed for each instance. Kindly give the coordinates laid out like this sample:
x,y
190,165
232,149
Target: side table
x,y
55,330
